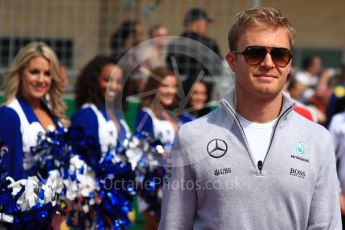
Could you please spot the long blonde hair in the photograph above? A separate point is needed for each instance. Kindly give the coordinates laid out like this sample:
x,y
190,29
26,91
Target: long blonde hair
x,y
12,81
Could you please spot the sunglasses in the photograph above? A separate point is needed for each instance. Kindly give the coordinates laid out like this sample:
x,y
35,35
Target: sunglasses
x,y
256,54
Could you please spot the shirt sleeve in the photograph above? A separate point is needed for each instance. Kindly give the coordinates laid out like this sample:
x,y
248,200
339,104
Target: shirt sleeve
x,y
179,196
144,123
10,133
86,119
324,210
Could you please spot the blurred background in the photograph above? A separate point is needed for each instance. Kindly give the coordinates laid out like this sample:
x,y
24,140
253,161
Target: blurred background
x,y
80,29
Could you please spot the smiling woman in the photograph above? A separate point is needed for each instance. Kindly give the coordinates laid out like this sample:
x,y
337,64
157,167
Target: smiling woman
x,y
198,104
36,79
100,81
33,90
155,116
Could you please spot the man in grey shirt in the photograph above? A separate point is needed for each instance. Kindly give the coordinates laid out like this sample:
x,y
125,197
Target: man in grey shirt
x,y
253,163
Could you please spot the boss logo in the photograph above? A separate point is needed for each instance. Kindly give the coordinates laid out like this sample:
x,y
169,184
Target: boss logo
x,y
297,173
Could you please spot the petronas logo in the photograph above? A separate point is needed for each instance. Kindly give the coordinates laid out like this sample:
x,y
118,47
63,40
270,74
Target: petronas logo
x,y
300,148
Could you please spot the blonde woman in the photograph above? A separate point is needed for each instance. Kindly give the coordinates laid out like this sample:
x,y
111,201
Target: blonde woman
x,y
33,89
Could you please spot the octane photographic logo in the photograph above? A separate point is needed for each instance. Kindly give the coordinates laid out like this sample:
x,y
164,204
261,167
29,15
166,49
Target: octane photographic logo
x,y
136,71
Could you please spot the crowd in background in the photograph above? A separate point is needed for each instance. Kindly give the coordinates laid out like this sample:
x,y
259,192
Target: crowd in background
x,y
319,90
34,86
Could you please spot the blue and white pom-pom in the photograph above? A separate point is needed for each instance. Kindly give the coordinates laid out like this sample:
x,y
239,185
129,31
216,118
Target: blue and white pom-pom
x,y
88,177
69,167
147,156
24,203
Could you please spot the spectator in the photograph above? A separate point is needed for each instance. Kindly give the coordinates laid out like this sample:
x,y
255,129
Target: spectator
x,y
295,90
311,67
322,93
153,53
128,35
336,102
196,23
337,131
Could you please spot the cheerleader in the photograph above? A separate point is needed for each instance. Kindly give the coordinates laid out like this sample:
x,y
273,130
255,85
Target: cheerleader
x,y
100,81
197,104
156,118
33,90
97,89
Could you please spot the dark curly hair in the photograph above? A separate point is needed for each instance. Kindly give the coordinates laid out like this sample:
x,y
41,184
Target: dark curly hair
x,y
86,89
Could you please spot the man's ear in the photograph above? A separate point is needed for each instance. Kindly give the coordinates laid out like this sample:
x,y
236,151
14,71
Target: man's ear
x,y
231,59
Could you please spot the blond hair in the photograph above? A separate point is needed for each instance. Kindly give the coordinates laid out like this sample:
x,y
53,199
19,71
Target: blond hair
x,y
266,16
12,81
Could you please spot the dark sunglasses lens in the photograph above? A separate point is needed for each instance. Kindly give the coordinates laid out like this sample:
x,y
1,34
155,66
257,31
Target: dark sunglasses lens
x,y
255,55
281,56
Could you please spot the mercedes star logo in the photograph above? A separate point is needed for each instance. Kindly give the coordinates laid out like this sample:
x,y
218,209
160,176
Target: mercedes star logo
x,y
217,148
